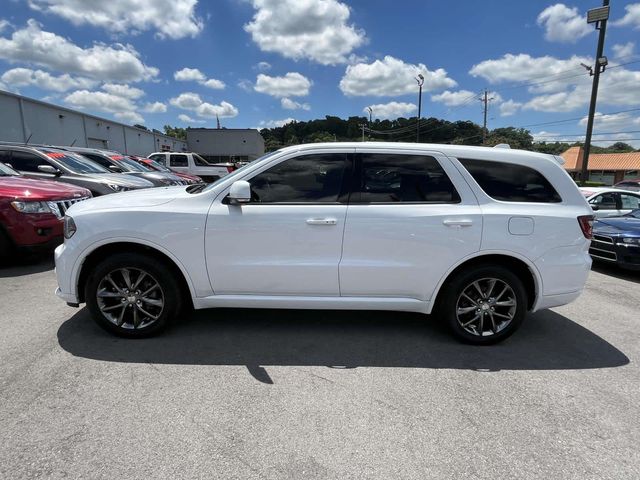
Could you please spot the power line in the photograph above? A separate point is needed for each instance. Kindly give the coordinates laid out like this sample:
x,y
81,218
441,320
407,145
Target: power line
x,y
545,135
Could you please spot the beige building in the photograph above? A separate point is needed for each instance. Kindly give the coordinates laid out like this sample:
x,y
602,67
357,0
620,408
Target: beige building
x,y
608,168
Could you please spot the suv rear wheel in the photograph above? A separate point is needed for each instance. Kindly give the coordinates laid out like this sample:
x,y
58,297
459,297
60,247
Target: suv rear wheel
x,y
132,295
484,305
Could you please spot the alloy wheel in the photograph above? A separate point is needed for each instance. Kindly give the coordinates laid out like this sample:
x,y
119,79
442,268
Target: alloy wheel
x,y
485,307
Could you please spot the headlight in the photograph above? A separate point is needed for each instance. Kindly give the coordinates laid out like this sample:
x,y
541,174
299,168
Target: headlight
x,y
116,188
69,227
631,241
31,207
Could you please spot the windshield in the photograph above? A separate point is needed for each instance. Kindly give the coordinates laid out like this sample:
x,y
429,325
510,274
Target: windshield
x,y
131,165
74,162
157,166
6,170
240,170
199,161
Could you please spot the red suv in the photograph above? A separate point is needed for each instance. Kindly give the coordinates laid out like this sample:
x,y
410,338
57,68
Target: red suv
x,y
31,211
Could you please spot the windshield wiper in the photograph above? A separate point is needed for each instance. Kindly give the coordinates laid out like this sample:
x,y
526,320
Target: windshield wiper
x,y
196,188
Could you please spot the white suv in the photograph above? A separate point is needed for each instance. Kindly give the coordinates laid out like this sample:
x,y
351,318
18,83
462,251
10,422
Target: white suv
x,y
480,235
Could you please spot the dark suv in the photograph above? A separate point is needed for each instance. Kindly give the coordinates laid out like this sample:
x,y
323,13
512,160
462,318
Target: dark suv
x,y
48,163
116,162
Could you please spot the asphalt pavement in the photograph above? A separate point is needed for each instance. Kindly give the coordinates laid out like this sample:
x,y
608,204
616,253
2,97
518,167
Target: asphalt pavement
x,y
257,394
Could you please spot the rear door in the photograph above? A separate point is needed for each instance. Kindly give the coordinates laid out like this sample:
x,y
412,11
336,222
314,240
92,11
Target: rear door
x,y
411,217
628,202
179,162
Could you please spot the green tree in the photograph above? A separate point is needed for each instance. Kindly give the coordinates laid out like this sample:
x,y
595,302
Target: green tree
x,y
176,132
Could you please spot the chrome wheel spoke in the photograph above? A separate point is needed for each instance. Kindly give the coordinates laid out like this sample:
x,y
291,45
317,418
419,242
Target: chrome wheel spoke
x,y
136,318
144,312
508,317
481,325
490,311
113,307
120,319
153,301
469,299
110,280
107,294
138,280
492,284
476,285
463,310
474,319
127,277
149,290
493,323
506,303
504,290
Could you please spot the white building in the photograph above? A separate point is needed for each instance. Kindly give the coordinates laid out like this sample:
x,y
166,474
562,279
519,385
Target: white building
x,y
226,144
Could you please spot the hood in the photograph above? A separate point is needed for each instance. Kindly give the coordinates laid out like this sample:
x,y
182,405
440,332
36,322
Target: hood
x,y
159,178
617,225
18,187
132,199
122,180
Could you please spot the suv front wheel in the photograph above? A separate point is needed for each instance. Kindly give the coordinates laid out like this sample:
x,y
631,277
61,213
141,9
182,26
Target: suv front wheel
x,y
132,295
484,304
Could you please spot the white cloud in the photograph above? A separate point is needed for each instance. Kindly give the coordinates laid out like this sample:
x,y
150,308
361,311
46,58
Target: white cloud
x,y
292,84
391,109
192,101
276,123
122,90
246,85
312,29
262,66
101,62
623,50
187,119
189,75
611,122
169,18
155,107
289,104
391,77
129,117
510,107
214,84
563,24
23,77
3,24
187,101
223,110
631,18
454,99
195,75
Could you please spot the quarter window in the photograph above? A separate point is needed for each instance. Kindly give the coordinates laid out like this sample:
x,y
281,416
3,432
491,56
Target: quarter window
x,y
178,161
629,201
509,182
392,178
314,178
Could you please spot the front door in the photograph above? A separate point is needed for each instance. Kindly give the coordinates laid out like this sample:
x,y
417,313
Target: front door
x,y
288,240
410,218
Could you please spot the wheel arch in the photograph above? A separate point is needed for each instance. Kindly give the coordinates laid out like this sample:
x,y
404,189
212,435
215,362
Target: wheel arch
x,y
100,251
521,266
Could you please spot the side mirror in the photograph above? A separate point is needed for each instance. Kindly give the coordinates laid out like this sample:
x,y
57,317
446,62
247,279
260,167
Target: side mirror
x,y
240,193
595,208
49,169
115,168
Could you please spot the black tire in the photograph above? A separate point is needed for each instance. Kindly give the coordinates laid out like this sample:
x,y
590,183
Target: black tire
x,y
155,318
493,328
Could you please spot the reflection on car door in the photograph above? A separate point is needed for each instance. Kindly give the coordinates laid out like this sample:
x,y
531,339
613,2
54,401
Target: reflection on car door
x,y
288,240
606,205
628,202
410,218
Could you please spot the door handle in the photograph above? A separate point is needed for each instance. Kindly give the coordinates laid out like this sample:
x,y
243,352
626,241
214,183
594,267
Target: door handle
x,y
322,221
450,222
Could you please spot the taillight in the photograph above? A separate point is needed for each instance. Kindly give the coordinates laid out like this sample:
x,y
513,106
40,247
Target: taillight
x,y
586,225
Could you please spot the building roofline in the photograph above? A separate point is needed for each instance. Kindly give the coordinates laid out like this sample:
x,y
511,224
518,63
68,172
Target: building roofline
x,y
89,115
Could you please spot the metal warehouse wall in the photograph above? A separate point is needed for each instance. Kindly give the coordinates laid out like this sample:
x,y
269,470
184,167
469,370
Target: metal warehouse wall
x,y
227,142
22,117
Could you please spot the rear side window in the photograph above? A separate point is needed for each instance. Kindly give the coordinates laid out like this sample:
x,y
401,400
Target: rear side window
x,y
395,178
178,161
508,182
26,162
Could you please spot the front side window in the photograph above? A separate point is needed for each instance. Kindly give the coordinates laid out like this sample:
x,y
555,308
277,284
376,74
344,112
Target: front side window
x,y
316,178
26,162
509,182
178,161
74,162
199,161
391,178
604,201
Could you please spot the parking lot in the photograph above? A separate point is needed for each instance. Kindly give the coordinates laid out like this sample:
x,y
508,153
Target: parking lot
x,y
296,394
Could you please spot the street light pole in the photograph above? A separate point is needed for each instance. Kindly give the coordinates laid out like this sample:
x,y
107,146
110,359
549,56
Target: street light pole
x,y
598,16
420,81
370,114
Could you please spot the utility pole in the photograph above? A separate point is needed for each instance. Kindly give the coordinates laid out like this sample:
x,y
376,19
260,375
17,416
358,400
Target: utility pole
x,y
485,108
598,16
420,80
362,126
370,114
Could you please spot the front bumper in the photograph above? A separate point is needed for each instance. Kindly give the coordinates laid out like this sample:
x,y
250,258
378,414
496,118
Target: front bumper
x,y
66,289
608,249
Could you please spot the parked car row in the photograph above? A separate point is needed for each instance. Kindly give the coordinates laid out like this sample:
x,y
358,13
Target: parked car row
x,y
39,182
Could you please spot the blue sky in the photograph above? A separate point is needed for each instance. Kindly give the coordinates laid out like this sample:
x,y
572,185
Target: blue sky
x,y
257,63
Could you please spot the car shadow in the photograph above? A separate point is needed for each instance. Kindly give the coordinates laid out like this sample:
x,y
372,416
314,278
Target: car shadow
x,y
19,265
344,339
615,271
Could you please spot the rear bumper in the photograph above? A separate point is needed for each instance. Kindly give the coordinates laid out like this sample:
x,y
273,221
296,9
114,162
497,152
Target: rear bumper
x,y
548,301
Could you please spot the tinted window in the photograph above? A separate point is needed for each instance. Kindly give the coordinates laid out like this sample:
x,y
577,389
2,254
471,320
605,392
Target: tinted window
x,y
389,178
604,201
306,179
26,162
178,161
629,201
511,183
199,161
98,159
157,158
